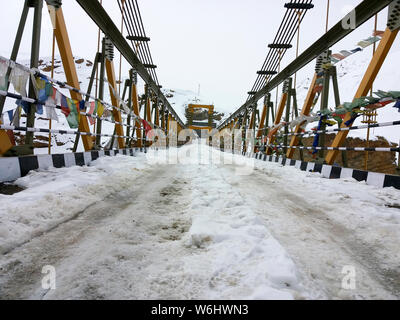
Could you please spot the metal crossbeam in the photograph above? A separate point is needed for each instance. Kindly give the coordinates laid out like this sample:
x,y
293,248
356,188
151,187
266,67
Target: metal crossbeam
x,y
299,6
137,38
267,72
280,46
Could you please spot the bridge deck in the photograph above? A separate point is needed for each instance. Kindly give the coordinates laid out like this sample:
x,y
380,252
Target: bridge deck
x,y
225,230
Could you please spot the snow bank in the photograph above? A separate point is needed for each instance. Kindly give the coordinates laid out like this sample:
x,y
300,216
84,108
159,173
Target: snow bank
x,y
369,213
54,196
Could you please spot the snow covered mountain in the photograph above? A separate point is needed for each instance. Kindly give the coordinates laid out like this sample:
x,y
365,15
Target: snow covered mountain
x,y
179,99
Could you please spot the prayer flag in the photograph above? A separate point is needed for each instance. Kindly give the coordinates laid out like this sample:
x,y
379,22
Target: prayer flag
x,y
91,110
10,115
99,108
148,129
64,106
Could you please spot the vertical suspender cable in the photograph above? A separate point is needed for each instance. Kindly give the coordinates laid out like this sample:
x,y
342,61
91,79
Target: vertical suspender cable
x,y
327,16
368,117
277,88
297,45
120,54
52,67
374,45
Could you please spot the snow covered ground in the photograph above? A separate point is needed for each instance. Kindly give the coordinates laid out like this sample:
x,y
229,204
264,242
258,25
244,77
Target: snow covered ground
x,y
142,228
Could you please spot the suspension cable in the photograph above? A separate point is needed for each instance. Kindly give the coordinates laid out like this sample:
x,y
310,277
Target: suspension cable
x,y
286,32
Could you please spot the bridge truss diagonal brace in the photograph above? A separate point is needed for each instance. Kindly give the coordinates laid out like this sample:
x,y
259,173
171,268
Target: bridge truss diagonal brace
x,y
278,118
119,129
67,58
305,111
148,109
156,114
365,86
262,122
135,106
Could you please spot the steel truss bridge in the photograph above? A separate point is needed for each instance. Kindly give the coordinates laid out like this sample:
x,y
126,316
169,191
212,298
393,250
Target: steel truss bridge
x,y
134,116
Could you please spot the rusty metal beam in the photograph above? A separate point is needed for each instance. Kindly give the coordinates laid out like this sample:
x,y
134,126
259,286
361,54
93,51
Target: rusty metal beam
x,y
305,111
135,107
119,129
278,118
67,58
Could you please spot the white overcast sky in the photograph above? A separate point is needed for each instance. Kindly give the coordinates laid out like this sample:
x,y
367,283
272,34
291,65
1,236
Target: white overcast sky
x,y
219,44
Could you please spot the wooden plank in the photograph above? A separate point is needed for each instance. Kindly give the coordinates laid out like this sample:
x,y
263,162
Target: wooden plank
x,y
262,122
278,118
169,131
236,123
252,120
157,116
365,86
148,110
135,107
114,101
163,124
281,108
67,58
200,128
210,107
305,111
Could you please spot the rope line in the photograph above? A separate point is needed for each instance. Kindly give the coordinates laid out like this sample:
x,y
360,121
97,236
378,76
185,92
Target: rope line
x,y
45,130
63,85
374,125
337,148
55,106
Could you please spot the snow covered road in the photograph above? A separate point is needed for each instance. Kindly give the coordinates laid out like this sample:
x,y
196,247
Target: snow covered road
x,y
135,228
324,228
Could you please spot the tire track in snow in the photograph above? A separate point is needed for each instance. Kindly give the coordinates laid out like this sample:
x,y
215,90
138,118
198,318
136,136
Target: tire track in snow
x,y
320,246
